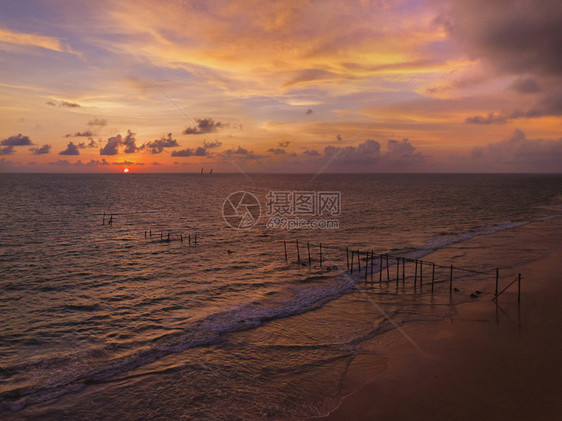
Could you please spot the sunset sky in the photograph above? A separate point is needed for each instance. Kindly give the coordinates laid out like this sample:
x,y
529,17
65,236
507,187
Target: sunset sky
x,y
281,86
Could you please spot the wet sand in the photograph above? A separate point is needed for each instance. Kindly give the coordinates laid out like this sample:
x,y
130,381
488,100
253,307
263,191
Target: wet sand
x,y
486,362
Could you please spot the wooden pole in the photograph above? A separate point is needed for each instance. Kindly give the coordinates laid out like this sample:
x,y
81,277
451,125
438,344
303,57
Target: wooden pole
x,y
416,274
320,254
351,266
366,265
168,239
309,259
103,220
195,239
403,270
150,233
387,269
358,261
189,239
181,238
397,271
451,282
372,263
421,273
519,289
497,280
298,253
285,246
347,257
161,238
145,234
432,278
380,272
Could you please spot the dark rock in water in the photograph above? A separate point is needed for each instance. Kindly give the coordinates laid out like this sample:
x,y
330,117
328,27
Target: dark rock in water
x,y
474,295
457,290
478,292
328,268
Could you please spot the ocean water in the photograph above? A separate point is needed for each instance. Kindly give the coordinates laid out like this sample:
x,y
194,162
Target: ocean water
x,y
108,321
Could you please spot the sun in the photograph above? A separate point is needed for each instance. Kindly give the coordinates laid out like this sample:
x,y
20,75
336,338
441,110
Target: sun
x,y
126,170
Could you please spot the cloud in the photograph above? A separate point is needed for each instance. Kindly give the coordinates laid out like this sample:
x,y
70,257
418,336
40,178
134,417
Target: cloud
x,y
8,150
284,144
71,149
51,103
190,152
85,133
204,125
158,145
339,138
243,153
112,146
527,85
97,122
491,118
516,36
45,149
69,104
312,152
309,111
130,143
17,140
33,40
517,153
208,144
277,151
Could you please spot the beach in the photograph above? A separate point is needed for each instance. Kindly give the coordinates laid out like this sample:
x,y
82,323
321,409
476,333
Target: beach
x,y
485,362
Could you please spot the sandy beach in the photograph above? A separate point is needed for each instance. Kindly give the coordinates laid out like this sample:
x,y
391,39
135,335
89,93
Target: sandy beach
x,y
487,361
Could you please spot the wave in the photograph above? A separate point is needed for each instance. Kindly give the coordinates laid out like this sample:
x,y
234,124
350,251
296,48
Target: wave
x,y
72,373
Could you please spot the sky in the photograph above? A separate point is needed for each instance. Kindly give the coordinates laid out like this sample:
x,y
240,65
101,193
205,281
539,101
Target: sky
x,y
281,86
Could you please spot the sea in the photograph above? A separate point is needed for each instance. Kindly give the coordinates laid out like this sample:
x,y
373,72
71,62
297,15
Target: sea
x,y
184,296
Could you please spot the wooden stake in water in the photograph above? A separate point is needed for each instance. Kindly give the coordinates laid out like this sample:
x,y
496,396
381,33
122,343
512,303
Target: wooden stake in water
x,y
195,239
320,254
451,282
145,234
103,220
403,271
372,263
366,265
387,269
358,261
347,257
351,266
285,245
421,273
309,258
181,238
416,275
432,278
397,270
519,289
497,280
380,272
189,239
150,233
298,253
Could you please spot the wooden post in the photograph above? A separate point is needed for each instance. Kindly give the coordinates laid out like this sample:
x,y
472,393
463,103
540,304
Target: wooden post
x,y
150,233
387,269
380,272
181,238
397,270
161,238
103,220
145,234
416,274
421,273
189,239
372,263
519,289
497,280
432,278
403,271
366,265
168,239
285,245
351,266
309,259
320,254
298,253
195,239
358,261
110,222
451,282
347,256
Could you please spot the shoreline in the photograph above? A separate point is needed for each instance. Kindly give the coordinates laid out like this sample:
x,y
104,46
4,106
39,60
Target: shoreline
x,y
483,362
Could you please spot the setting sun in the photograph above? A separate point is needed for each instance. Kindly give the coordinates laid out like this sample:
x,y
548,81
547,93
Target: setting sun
x,y
126,170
